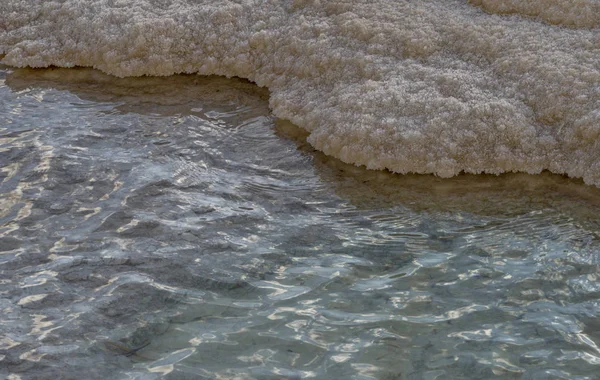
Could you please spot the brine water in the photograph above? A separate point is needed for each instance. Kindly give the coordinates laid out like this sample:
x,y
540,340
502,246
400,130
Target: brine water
x,y
174,228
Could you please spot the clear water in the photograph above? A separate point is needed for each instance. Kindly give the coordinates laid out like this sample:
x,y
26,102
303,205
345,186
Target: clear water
x,y
172,228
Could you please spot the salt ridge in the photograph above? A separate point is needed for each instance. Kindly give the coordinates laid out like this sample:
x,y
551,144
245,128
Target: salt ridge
x,y
410,86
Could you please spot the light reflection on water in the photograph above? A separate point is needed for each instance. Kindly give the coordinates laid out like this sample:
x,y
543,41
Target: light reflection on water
x,y
171,227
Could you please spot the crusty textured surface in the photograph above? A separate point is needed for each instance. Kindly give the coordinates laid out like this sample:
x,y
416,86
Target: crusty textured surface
x,y
571,13
411,86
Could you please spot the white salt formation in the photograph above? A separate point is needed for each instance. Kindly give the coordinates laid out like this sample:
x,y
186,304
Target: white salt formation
x,y
412,86
573,13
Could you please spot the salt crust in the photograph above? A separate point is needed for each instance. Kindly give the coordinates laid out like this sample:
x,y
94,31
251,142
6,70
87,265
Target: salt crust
x,y
572,13
411,86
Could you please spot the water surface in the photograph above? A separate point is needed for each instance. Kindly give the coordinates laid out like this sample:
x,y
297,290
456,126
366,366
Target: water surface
x,y
173,228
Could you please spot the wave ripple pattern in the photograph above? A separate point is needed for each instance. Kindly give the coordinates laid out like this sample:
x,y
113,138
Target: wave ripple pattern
x,y
172,228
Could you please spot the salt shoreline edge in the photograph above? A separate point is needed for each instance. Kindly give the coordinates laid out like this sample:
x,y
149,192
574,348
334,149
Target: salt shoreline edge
x,y
413,87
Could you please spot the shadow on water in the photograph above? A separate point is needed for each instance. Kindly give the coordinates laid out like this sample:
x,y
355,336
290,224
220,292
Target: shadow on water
x,y
506,194
163,96
485,194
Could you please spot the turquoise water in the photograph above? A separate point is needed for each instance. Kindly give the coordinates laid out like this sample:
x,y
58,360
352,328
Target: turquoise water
x,y
172,227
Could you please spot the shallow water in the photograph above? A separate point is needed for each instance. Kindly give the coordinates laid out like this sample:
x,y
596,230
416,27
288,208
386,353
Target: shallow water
x,y
172,227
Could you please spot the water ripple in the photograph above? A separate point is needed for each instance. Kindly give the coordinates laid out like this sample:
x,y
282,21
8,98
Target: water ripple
x,y
171,228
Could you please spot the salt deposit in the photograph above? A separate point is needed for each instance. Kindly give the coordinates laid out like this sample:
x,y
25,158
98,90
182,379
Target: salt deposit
x,y
410,86
572,13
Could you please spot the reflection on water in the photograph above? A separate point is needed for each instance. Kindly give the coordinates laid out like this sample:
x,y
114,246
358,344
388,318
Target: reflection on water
x,y
170,227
